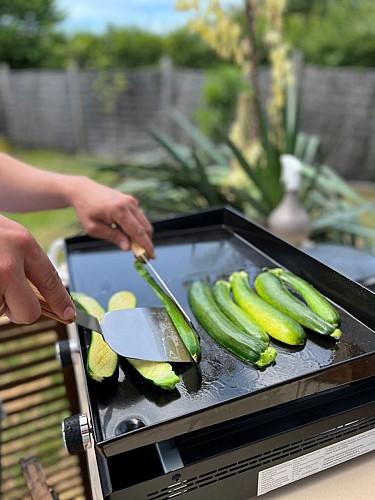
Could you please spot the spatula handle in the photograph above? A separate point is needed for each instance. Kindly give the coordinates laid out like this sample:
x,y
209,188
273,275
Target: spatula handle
x,y
46,308
138,251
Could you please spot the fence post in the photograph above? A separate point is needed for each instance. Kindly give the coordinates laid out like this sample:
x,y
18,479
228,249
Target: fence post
x,y
166,92
6,96
75,101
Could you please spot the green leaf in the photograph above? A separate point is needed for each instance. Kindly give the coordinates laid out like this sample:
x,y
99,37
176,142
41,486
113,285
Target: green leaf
x,y
206,188
173,148
337,219
254,174
291,117
328,181
200,139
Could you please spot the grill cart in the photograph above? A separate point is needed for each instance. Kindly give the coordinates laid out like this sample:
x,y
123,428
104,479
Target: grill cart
x,y
228,430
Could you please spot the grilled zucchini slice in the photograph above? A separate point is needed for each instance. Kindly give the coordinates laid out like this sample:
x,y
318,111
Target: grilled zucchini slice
x,y
159,373
101,359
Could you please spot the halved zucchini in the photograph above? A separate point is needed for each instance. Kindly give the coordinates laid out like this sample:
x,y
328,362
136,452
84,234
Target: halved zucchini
x,y
159,373
101,359
187,334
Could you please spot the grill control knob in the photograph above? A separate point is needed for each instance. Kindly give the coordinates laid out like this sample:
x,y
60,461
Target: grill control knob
x,y
76,433
64,350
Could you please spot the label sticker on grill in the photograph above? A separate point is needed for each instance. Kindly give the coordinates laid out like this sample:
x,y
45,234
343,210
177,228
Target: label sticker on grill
x,y
315,461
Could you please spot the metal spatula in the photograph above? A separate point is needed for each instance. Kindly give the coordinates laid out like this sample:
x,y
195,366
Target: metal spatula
x,y
140,333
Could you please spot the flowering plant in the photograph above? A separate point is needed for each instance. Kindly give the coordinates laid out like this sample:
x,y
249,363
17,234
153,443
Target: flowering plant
x,y
245,172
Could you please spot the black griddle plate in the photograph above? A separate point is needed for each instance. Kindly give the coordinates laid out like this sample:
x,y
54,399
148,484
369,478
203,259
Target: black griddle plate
x,y
132,412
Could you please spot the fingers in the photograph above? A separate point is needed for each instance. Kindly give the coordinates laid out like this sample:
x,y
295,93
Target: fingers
x,y
21,304
16,298
116,235
112,215
44,276
21,258
138,229
120,223
112,233
135,224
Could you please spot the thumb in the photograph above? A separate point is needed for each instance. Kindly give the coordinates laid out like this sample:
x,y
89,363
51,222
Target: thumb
x,y
114,234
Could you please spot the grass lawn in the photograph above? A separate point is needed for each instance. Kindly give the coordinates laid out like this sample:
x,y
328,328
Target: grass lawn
x,y
48,225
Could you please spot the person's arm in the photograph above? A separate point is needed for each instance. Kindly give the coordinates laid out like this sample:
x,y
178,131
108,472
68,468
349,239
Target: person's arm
x,y
103,212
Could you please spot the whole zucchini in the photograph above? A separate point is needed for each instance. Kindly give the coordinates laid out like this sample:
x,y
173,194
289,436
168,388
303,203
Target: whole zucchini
x,y
273,291
277,324
223,331
187,335
312,297
159,373
237,315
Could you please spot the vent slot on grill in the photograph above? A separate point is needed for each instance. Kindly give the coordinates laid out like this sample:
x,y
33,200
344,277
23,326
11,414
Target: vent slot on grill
x,y
267,458
227,436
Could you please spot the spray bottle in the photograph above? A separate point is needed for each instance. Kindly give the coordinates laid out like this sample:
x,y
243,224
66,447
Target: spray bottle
x,y
289,220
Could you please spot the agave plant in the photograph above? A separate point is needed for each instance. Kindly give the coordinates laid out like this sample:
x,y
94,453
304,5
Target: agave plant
x,y
198,178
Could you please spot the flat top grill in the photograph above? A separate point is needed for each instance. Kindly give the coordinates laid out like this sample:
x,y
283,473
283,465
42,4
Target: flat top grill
x,y
133,412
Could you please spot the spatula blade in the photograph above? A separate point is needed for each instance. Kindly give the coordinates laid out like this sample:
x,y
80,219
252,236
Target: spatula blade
x,y
144,333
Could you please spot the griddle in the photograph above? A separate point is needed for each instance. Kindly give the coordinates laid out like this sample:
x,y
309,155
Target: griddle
x,y
130,413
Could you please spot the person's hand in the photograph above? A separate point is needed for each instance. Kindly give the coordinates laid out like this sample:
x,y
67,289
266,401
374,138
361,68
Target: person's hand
x,y
22,259
111,215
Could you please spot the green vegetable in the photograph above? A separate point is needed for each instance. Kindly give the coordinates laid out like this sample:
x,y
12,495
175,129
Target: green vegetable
x,y
223,331
159,373
277,324
187,334
312,297
237,315
122,300
273,291
101,359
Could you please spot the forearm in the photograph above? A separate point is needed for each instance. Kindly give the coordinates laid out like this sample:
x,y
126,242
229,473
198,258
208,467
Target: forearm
x,y
103,212
24,188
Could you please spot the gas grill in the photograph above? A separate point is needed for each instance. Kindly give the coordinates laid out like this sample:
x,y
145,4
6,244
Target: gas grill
x,y
228,430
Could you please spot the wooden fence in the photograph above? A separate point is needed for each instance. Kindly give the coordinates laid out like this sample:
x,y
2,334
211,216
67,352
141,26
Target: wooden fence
x,y
33,391
71,110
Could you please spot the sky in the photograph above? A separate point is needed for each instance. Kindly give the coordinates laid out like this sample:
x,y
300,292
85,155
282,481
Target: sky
x,y
158,16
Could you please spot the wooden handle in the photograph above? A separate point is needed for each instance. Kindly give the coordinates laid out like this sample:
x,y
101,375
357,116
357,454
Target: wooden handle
x,y
46,308
138,251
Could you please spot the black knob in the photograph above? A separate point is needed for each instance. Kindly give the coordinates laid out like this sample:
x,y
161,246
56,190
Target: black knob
x,y
76,433
64,350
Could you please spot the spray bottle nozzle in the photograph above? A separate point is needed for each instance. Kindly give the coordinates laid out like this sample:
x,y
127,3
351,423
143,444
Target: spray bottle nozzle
x,y
291,168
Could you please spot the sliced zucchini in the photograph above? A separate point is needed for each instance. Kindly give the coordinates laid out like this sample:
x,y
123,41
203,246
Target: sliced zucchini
x,y
310,295
277,324
124,299
187,334
159,373
101,359
223,331
273,291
